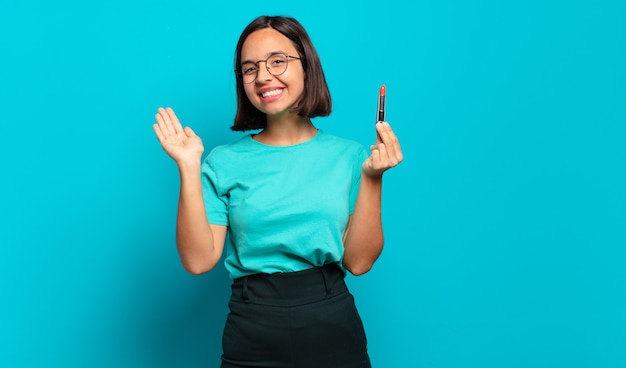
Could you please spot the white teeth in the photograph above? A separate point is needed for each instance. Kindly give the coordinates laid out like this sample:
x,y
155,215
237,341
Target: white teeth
x,y
271,93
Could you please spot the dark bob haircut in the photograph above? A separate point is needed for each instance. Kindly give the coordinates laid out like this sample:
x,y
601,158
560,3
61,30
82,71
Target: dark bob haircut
x,y
316,100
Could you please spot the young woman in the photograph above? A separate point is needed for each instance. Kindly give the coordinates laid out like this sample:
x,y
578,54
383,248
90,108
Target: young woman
x,y
300,206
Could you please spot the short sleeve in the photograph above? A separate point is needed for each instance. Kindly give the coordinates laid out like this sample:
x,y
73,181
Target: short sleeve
x,y
356,176
215,198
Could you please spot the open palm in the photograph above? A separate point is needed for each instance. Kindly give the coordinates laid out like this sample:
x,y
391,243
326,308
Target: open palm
x,y
182,145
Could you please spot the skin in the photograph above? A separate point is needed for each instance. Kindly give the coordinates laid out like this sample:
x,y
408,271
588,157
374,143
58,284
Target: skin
x,y
200,243
283,126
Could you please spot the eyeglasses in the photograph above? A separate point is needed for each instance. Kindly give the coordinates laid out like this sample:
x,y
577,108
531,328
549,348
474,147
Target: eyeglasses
x,y
276,65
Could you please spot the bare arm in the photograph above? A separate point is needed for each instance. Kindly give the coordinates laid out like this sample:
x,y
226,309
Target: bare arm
x,y
199,243
363,240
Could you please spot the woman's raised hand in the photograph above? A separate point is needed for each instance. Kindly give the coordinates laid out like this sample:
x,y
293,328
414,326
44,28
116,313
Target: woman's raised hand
x,y
182,145
385,154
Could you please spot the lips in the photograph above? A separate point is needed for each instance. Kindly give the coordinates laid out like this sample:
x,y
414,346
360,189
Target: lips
x,y
270,94
267,92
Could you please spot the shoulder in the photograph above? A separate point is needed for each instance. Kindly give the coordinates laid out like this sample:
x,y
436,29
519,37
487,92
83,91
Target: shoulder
x,y
331,140
228,151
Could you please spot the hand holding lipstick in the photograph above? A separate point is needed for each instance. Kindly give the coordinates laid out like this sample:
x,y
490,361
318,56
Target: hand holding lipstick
x,y
386,153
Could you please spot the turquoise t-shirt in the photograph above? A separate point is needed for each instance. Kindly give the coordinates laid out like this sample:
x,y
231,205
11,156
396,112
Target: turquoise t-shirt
x,y
286,207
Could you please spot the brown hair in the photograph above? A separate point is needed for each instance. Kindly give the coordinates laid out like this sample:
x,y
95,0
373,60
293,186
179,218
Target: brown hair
x,y
316,100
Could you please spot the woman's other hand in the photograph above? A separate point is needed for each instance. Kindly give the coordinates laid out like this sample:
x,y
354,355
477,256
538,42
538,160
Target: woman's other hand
x,y
385,154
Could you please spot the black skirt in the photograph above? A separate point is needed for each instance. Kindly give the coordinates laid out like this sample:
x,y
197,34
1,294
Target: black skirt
x,y
297,320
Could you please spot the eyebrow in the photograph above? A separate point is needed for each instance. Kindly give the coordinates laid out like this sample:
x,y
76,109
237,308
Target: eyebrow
x,y
266,56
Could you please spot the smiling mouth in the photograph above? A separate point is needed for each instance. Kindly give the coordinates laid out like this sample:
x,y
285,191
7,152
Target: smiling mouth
x,y
274,92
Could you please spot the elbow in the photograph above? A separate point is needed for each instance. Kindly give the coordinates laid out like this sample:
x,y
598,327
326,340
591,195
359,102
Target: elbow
x,y
195,258
198,268
360,264
196,271
359,268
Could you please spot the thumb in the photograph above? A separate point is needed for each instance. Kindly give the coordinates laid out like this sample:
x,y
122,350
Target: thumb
x,y
189,132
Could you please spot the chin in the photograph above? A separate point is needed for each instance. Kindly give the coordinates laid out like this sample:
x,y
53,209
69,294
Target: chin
x,y
272,111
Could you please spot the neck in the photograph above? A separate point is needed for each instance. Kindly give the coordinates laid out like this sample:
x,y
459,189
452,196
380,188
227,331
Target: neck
x,y
286,131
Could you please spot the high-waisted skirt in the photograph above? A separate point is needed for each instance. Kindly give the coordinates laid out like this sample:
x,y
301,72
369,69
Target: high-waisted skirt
x,y
297,319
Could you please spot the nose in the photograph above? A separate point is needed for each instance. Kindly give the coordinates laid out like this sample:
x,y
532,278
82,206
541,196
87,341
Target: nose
x,y
263,74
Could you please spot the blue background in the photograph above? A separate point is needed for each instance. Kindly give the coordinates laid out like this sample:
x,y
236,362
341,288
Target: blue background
x,y
505,225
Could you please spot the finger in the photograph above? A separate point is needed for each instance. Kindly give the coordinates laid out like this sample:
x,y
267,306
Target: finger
x,y
164,122
178,128
372,161
386,161
159,133
189,132
391,142
395,149
382,131
386,133
162,127
375,159
376,155
393,159
170,125
378,138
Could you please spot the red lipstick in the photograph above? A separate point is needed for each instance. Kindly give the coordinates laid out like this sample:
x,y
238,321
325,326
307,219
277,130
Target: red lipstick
x,y
381,104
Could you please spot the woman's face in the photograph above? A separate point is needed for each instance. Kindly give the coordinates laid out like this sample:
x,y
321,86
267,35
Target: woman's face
x,y
273,95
